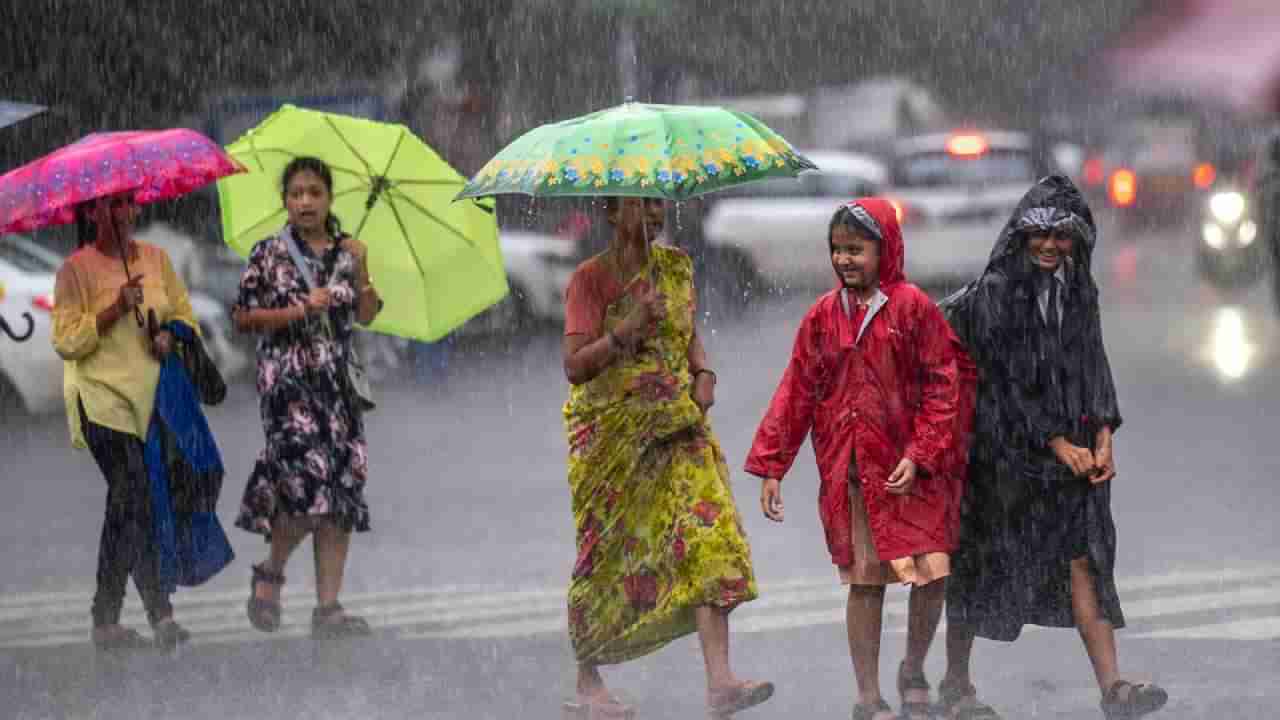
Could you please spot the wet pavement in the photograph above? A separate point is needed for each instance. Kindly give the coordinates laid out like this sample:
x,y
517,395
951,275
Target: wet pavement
x,y
464,574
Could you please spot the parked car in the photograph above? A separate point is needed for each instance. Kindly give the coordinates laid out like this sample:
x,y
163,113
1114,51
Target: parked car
x,y
955,192
774,231
538,269
32,369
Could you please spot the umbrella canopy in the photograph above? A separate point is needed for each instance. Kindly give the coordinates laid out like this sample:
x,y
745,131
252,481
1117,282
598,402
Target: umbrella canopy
x,y
1224,51
152,164
436,263
673,152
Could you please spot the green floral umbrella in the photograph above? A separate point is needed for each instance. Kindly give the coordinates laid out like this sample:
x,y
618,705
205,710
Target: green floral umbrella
x,y
673,152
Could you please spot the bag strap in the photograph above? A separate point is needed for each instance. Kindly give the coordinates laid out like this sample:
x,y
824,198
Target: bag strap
x,y
295,252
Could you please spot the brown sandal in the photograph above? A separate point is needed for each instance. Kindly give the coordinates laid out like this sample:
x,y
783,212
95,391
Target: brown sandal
x,y
1140,700
724,702
609,709
951,697
912,709
331,622
264,615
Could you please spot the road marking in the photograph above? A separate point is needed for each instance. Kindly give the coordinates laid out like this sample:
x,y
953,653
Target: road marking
x,y
53,619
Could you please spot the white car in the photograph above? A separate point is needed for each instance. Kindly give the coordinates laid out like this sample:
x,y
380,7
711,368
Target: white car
x,y
31,372
781,225
538,266
956,192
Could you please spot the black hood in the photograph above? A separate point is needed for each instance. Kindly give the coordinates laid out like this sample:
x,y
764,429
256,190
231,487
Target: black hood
x,y
1053,203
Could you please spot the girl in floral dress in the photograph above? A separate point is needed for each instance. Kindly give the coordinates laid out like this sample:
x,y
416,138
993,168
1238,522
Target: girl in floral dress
x,y
661,551
310,476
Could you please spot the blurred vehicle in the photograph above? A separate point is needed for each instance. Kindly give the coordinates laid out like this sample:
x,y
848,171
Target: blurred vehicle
x,y
955,192
538,269
1156,170
773,233
30,371
33,369
1230,253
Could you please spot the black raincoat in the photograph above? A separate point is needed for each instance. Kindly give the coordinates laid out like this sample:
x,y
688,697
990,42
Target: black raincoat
x,y
1025,516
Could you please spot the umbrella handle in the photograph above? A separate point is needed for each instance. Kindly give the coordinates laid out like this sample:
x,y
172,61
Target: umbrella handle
x,y
124,257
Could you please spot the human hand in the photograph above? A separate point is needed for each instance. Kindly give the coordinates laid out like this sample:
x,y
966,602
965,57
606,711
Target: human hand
x,y
704,390
771,499
131,295
162,344
1105,460
903,478
1080,460
317,300
642,321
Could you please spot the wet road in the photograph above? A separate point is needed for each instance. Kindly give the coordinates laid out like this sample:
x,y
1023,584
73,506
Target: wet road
x,y
465,571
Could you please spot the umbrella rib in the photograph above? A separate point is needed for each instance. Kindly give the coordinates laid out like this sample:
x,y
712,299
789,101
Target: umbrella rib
x,y
433,217
404,233
328,120
255,152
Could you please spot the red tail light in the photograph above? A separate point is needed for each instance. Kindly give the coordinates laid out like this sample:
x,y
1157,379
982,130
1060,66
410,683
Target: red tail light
x,y
1124,188
1095,172
1204,175
43,302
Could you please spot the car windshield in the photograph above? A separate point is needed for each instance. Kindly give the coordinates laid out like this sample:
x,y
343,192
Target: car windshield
x,y
939,169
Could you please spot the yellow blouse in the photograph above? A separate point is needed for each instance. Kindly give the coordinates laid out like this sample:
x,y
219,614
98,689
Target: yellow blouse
x,y
114,375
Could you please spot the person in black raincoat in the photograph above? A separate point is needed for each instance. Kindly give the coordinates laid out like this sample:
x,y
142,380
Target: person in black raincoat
x,y
1037,541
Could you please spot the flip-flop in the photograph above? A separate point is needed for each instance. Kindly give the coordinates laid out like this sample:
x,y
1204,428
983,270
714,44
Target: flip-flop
x,y
723,703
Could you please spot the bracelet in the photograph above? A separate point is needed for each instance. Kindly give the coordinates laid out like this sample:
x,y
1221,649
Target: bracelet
x,y
699,371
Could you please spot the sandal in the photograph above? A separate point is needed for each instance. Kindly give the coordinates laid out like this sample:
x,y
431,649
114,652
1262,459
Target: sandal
x,y
914,709
125,639
952,703
724,702
609,709
1140,700
330,622
167,635
868,712
264,615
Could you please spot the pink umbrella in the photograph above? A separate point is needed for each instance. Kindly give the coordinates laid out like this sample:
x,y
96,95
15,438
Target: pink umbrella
x,y
1226,51
154,165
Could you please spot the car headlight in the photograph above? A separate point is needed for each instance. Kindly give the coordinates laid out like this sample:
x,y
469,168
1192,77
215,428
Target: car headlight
x,y
1227,207
1214,237
1247,233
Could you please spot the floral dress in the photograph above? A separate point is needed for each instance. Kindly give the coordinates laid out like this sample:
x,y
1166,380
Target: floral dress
x,y
658,533
315,461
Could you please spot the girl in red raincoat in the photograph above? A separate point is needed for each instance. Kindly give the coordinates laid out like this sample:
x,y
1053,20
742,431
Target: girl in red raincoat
x,y
874,377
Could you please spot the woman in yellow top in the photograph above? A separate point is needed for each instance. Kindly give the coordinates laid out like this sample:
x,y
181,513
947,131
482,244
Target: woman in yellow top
x,y
661,551
111,372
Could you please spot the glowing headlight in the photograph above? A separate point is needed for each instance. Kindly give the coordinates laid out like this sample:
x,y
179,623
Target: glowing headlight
x,y
1214,237
1227,207
1248,231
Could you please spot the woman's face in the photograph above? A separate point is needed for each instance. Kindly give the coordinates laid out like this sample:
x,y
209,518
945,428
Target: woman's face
x,y
115,212
307,199
1049,250
634,216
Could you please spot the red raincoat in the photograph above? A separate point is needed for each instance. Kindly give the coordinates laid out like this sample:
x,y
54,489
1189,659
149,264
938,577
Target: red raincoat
x,y
894,392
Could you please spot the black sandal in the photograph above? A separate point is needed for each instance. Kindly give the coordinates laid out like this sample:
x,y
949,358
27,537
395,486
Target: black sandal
x,y
264,615
867,712
1140,700
914,709
168,635
127,640
324,626
949,698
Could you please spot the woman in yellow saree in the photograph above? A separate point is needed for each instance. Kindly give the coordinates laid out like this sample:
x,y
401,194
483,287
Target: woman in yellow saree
x,y
661,550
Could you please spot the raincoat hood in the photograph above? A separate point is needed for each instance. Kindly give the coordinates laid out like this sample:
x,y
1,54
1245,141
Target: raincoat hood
x,y
877,218
1053,203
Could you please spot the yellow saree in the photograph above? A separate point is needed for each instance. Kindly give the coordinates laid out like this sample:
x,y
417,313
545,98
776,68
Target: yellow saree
x,y
658,533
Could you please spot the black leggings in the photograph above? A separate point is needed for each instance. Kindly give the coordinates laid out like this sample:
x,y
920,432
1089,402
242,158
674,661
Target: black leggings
x,y
125,548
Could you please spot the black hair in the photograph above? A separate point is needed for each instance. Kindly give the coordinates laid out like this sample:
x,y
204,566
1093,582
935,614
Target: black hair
x,y
845,217
321,169
86,228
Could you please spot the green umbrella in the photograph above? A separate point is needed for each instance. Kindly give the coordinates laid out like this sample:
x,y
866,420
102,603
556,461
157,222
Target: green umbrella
x,y
665,151
435,262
